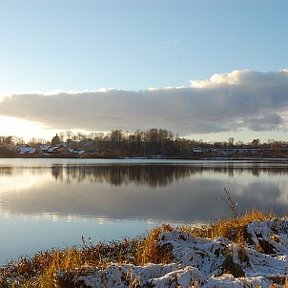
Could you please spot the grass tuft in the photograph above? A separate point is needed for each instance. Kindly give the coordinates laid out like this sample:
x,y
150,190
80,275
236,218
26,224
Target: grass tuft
x,y
149,250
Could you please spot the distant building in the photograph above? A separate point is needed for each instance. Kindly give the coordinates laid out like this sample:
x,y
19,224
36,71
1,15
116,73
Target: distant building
x,y
197,150
76,151
26,149
49,149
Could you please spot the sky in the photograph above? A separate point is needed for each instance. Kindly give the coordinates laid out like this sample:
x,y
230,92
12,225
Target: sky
x,y
204,69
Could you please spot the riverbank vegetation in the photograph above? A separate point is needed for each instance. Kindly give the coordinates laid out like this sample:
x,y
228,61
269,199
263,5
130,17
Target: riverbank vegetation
x,y
251,236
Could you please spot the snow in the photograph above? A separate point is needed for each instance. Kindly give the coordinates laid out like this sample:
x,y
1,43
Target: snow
x,y
200,262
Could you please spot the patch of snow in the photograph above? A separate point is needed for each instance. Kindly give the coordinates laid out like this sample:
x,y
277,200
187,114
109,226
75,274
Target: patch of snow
x,y
228,280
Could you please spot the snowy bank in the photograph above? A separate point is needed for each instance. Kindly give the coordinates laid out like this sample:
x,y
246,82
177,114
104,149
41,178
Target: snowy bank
x,y
259,261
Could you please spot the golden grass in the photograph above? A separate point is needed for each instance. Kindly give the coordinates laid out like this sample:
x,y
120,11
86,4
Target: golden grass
x,y
233,229
66,260
39,271
149,250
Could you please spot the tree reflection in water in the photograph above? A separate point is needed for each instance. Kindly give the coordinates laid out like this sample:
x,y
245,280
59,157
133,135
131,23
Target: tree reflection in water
x,y
151,175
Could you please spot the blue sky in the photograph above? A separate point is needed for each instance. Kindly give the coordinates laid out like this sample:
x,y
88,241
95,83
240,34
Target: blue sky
x,y
130,45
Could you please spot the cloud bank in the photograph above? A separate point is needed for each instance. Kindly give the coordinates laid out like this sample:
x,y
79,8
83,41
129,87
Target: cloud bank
x,y
226,102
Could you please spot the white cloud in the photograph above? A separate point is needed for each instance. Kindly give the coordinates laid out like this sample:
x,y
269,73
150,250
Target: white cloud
x,y
225,102
231,78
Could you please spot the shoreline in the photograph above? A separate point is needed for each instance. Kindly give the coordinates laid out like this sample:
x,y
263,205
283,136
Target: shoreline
x,y
251,250
252,159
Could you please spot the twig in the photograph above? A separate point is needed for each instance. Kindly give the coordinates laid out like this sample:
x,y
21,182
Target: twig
x,y
232,205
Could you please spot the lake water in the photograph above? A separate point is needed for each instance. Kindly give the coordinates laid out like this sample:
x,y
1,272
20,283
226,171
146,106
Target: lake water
x,y
47,203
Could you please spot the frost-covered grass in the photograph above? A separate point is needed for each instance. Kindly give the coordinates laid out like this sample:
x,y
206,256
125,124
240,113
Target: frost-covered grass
x,y
248,251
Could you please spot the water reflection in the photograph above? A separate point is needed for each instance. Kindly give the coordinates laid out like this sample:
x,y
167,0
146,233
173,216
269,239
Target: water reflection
x,y
177,192
159,175
151,175
117,175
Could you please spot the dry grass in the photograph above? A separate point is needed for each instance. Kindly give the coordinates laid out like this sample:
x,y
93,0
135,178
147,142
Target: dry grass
x,y
149,250
233,229
39,271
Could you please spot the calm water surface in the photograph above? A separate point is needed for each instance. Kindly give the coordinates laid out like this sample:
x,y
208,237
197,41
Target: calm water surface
x,y
48,203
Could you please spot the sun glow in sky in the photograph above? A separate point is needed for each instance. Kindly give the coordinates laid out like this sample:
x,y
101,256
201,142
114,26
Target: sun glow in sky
x,y
228,59
20,127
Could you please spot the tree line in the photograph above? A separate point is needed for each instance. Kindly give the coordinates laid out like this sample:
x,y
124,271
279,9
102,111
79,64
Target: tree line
x,y
153,142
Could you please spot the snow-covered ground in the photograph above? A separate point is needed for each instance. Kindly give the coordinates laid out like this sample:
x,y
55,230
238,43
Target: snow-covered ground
x,y
261,262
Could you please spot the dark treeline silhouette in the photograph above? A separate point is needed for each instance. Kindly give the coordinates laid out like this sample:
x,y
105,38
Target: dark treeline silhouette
x,y
164,144
150,143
